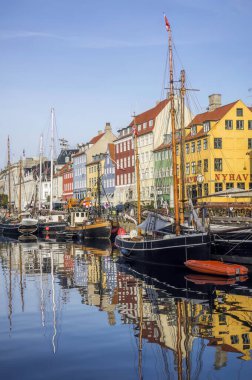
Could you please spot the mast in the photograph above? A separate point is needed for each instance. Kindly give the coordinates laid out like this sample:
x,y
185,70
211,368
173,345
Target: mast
x,y
20,190
172,111
40,170
52,145
99,188
182,145
9,175
137,173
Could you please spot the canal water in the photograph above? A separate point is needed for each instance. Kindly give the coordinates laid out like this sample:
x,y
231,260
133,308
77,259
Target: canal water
x,y
69,311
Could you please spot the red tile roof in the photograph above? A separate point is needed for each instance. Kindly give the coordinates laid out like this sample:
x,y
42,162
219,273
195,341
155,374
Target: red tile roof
x,y
214,115
162,147
146,116
96,138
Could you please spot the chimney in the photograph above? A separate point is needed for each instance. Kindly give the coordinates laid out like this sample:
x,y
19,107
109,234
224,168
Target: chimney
x,y
99,132
107,127
214,101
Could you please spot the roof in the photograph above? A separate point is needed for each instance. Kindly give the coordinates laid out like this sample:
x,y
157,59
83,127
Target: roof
x,y
162,147
150,114
111,149
96,138
61,160
214,115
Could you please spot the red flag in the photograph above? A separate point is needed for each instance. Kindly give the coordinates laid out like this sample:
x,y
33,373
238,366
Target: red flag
x,y
134,129
167,25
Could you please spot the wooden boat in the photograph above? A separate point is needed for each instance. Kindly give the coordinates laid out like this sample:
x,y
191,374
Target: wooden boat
x,y
216,267
150,243
85,228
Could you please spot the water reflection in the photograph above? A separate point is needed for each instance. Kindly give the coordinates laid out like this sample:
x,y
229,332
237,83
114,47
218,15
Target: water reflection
x,y
176,319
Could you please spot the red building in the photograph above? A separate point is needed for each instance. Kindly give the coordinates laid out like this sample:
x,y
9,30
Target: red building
x,y
67,182
125,166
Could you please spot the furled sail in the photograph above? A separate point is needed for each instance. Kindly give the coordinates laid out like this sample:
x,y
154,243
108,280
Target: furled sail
x,y
154,222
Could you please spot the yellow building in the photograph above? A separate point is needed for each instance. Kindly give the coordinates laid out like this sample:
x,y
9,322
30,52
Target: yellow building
x,y
218,152
95,169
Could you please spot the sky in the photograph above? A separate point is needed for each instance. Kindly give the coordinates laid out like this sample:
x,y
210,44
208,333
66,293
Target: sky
x,y
100,61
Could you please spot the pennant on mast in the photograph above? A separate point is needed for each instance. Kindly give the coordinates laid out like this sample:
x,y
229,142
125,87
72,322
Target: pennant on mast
x,y
167,25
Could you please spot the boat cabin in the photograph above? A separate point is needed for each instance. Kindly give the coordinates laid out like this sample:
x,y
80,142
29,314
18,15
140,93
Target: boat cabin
x,y
78,218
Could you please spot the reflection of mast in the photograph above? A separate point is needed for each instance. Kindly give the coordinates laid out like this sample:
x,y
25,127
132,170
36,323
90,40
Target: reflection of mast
x,y
10,290
179,339
21,277
187,337
54,306
140,346
41,292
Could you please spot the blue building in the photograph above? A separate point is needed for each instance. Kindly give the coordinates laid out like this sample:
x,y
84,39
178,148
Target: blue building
x,y
108,178
79,175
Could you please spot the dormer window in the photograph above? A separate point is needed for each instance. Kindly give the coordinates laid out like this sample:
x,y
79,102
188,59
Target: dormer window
x,y
151,123
206,126
139,127
193,130
144,125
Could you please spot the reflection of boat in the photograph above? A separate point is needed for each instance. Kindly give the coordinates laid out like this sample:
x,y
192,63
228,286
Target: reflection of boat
x,y
201,279
102,247
216,267
155,245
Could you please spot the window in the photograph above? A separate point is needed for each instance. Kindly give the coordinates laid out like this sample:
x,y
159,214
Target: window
x,y
139,127
229,124
249,124
206,126
187,148
128,161
245,339
117,148
144,125
205,144
193,130
128,145
205,188
249,143
193,147
239,112
241,185
234,339
218,186
239,124
177,150
125,162
193,167
198,145
206,165
217,143
187,168
229,185
150,123
250,185
199,166
218,164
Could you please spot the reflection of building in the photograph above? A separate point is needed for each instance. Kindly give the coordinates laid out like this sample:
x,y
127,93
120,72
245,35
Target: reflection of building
x,y
228,327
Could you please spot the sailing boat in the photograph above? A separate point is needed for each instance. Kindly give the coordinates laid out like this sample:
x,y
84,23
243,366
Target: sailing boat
x,y
156,245
23,223
50,223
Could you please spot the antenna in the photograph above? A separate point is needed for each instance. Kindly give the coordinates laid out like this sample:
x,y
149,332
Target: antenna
x,y
63,144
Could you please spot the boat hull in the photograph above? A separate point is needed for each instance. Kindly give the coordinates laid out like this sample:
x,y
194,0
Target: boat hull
x,y
101,230
50,228
216,268
174,251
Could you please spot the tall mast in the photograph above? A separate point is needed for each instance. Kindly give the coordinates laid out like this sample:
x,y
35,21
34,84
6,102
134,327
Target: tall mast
x,y
9,175
99,188
182,145
52,146
172,110
20,190
40,170
137,174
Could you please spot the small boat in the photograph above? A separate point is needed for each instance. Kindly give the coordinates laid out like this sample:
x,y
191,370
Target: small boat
x,y
204,279
216,267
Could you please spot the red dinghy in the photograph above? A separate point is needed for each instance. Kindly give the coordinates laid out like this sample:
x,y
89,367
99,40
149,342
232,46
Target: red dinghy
x,y
216,267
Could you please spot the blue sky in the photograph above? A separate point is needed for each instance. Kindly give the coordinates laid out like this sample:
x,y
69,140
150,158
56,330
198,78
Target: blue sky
x,y
100,60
